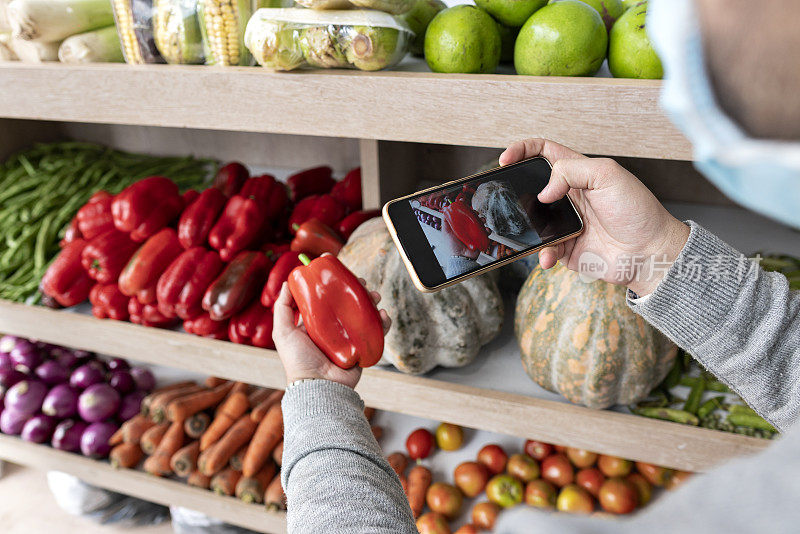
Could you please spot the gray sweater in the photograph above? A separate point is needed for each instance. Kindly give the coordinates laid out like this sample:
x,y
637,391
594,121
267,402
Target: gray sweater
x,y
745,329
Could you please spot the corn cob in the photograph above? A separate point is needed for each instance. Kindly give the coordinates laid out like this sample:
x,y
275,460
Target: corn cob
x,y
223,23
123,16
176,32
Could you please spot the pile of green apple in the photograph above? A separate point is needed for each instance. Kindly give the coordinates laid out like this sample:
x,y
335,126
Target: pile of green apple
x,y
555,38
544,476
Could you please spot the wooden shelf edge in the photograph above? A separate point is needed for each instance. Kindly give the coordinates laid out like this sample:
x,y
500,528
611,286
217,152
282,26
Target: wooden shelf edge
x,y
139,484
629,436
614,117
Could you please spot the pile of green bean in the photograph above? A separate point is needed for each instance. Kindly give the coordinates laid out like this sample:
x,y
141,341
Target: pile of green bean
x,y
41,189
710,403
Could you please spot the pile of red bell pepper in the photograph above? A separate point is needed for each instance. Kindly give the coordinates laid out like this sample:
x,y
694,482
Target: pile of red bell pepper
x,y
214,260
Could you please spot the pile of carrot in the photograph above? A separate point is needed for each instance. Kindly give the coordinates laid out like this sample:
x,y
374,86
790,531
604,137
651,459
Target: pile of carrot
x,y
221,435
415,485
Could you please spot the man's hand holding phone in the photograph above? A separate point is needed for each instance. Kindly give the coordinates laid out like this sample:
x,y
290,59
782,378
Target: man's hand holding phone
x,y
622,218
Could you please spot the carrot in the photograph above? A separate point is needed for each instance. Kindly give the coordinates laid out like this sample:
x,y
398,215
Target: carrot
x,y
133,428
195,425
237,459
398,462
369,413
184,461
198,480
159,462
153,394
125,455
187,405
251,489
268,434
116,437
159,405
224,482
277,454
228,413
274,497
419,480
152,437
214,381
261,410
258,395
241,387
236,436
377,431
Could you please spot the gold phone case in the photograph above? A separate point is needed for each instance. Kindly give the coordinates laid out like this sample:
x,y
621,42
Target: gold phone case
x,y
494,265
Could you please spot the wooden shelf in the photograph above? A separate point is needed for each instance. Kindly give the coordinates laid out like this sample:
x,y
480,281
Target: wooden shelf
x,y
615,117
139,484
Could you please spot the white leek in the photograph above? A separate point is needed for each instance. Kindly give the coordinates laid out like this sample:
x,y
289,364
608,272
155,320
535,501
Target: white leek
x,y
6,52
55,20
98,46
33,52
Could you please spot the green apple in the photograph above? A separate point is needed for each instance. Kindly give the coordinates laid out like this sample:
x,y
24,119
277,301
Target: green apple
x,y
463,38
630,52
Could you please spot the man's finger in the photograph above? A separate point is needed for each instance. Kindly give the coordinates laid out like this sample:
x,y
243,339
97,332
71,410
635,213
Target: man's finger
x,y
548,256
283,314
530,148
375,296
571,174
386,321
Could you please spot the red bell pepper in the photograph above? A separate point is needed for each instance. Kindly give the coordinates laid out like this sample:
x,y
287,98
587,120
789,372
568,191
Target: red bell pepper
x,y
237,286
107,254
277,276
242,224
203,325
253,326
268,193
108,302
198,218
71,234
146,207
275,250
315,181
189,197
467,226
315,238
337,311
148,314
230,178
348,190
181,288
140,276
66,280
323,207
94,217
349,224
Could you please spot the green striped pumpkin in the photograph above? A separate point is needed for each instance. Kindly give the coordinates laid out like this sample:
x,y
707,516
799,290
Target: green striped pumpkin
x,y
581,340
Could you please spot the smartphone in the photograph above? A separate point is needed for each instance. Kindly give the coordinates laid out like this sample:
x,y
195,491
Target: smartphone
x,y
463,228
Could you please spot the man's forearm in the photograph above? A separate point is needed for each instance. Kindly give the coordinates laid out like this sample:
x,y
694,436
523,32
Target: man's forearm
x,y
741,323
334,473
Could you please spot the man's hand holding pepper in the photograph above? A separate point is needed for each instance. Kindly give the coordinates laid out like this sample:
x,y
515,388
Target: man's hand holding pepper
x,y
300,356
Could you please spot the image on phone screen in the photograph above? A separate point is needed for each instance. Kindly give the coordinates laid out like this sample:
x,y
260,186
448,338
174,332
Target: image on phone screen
x,y
463,227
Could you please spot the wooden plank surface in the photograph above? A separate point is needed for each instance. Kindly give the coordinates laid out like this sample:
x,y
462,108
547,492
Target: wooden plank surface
x,y
629,436
139,484
606,116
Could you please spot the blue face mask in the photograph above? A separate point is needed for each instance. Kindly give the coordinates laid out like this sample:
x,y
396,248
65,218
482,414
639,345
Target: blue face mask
x,y
762,175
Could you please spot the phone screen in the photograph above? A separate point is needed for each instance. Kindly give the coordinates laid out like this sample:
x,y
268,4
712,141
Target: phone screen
x,y
464,226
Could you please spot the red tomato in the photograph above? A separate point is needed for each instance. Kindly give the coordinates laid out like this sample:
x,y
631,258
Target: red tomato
x,y
493,457
558,470
590,479
613,466
643,487
581,458
419,444
484,514
575,499
618,496
538,450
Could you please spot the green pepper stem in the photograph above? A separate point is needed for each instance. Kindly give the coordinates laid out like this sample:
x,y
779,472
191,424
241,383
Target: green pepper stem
x,y
295,227
305,260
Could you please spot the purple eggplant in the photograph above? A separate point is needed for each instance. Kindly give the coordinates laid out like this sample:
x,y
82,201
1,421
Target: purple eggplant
x,y
122,381
61,402
144,378
130,405
51,373
25,356
85,376
67,435
26,396
12,421
98,402
118,363
94,440
64,356
38,429
9,377
7,343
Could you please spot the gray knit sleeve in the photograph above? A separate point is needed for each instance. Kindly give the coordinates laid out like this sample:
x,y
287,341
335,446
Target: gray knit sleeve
x,y
333,471
740,322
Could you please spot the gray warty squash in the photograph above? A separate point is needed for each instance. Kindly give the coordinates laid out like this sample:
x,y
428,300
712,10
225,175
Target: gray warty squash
x,y
446,328
581,340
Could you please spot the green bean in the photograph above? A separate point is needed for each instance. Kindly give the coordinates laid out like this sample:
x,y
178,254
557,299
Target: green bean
x,y
741,409
668,414
695,396
711,385
710,406
750,421
674,374
42,240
